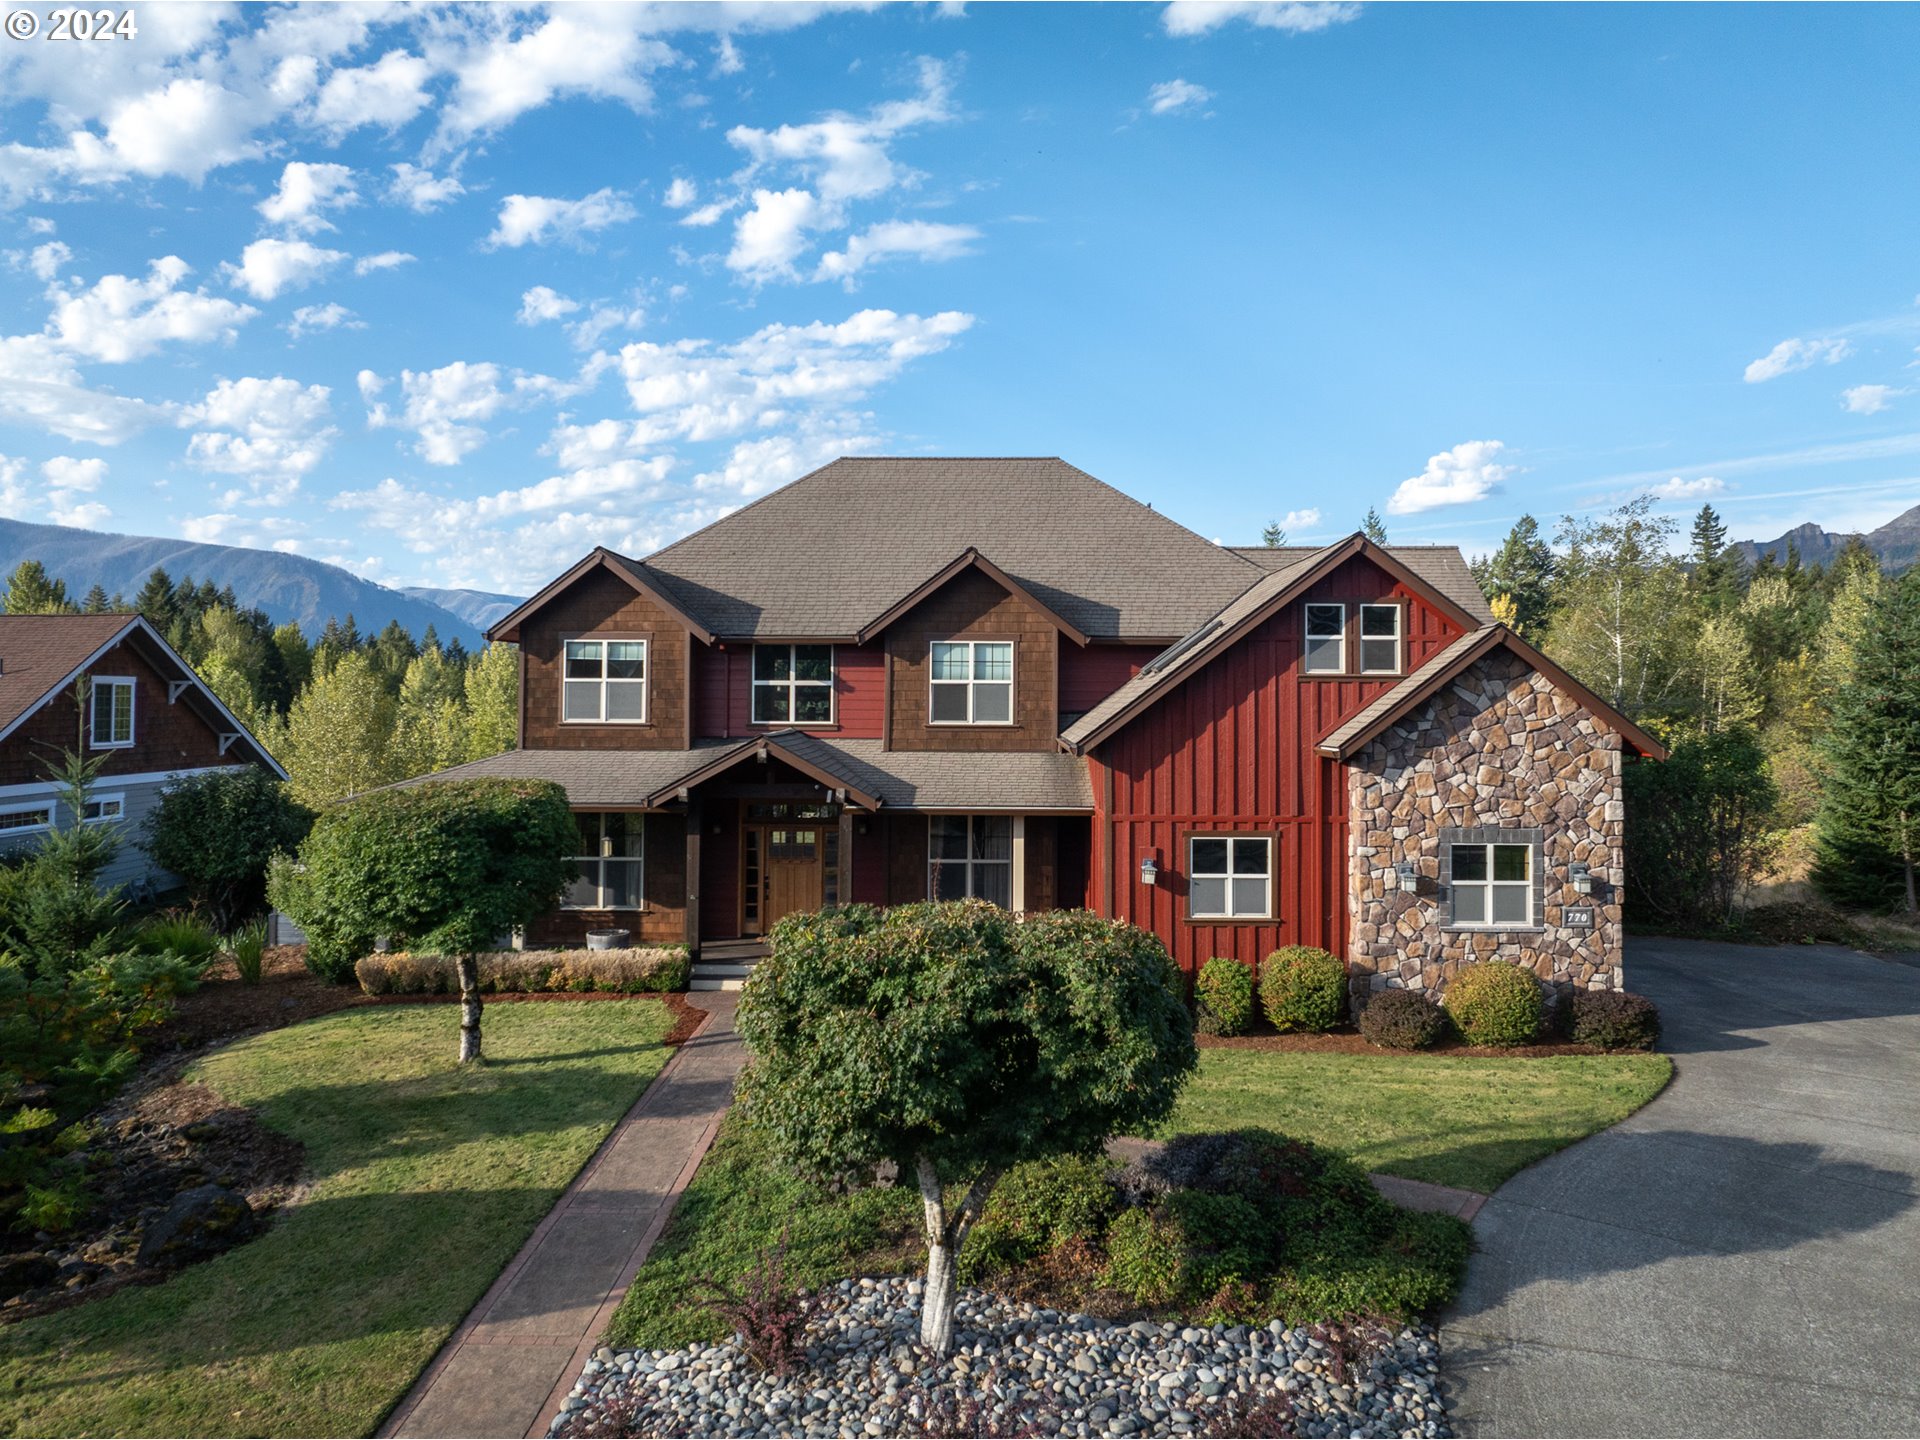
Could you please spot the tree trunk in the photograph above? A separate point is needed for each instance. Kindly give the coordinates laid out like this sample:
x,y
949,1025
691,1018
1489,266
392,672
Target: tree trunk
x,y
1906,856
469,969
945,1234
936,1305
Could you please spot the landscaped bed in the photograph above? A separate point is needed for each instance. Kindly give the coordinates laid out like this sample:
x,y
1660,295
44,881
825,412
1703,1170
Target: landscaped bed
x,y
422,1179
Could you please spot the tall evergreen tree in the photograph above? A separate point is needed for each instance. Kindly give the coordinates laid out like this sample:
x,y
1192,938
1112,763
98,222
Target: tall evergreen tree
x,y
31,591
1274,535
1373,527
1868,841
1523,569
1716,568
96,602
156,602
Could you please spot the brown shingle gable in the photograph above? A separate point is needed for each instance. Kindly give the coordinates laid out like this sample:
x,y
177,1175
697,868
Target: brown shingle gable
x,y
39,653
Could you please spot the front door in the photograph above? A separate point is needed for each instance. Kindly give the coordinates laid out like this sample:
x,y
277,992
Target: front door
x,y
783,870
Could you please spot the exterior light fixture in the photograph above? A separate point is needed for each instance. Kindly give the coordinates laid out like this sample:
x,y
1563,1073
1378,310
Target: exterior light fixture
x,y
1148,871
1581,876
1405,878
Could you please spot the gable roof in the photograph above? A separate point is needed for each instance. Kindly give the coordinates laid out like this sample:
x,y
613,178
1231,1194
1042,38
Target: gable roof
x,y
1352,735
968,559
42,655
810,762
1442,566
1274,590
507,627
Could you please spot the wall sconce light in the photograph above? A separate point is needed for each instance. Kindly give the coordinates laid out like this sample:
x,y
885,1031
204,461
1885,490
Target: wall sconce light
x,y
1405,878
1148,871
1581,876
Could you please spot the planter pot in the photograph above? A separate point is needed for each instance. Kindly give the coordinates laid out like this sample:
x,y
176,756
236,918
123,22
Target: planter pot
x,y
607,939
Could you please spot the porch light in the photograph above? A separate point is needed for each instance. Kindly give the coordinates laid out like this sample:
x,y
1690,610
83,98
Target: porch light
x,y
1404,878
1148,871
1581,876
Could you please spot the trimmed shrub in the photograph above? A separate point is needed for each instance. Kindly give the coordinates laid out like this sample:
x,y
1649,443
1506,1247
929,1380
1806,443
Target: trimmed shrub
x,y
1145,1257
513,972
1613,1020
1038,1207
219,829
1223,998
1403,1020
1495,1003
1303,988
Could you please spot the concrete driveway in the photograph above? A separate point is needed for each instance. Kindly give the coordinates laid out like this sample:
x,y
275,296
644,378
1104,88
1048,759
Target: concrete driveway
x,y
1742,1257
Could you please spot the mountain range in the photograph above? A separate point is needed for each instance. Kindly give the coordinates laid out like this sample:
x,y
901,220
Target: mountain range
x,y
1897,543
287,587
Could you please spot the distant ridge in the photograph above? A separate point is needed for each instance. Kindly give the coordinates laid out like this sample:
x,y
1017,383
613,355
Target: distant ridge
x,y
479,608
287,587
1897,543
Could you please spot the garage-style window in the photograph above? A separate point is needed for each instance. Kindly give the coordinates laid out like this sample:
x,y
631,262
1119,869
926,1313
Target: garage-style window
x,y
1380,639
1326,642
970,856
793,684
112,717
611,857
1230,877
26,819
606,680
1492,884
972,682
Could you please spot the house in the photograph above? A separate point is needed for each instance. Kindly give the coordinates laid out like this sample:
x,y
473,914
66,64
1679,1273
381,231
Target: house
x,y
108,687
897,679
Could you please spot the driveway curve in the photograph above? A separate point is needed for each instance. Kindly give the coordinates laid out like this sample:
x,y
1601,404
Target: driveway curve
x,y
1741,1257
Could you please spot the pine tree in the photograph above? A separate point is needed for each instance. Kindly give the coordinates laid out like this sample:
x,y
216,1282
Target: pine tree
x,y
31,591
1274,536
493,702
1716,568
156,602
96,602
296,661
1868,840
1373,527
1523,569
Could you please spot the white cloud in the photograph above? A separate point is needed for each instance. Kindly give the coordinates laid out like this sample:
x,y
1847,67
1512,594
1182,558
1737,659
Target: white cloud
x,y
305,191
186,128
312,319
1679,488
1198,17
64,473
46,259
543,302
89,515
1858,399
207,529
601,320
120,319
680,194
270,432
421,190
387,93
712,212
1174,97
535,219
268,267
773,234
1469,471
921,239
1300,519
42,389
1791,355
726,58
445,408
385,260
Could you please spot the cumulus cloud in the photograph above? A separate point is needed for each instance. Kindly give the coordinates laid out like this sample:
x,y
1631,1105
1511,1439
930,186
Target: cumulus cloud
x,y
68,480
41,388
773,234
680,194
267,268
1469,471
120,319
536,219
269,432
1300,519
543,302
1865,399
1791,355
385,260
45,260
1680,488
919,239
312,319
1199,17
305,192
447,409
422,191
387,93
1176,97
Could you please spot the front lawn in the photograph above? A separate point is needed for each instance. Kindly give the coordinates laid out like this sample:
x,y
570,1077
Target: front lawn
x,y
1468,1121
425,1180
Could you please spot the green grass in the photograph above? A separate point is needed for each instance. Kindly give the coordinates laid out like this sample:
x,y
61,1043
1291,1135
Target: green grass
x,y
425,1181
1468,1121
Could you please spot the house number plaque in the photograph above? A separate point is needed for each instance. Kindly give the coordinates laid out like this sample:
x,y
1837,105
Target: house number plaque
x,y
1578,919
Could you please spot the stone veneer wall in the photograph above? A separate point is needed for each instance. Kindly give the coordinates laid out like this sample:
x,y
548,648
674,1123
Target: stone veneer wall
x,y
1500,747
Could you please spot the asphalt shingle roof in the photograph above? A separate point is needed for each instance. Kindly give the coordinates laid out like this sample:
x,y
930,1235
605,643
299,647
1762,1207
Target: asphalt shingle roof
x,y
1359,722
1441,566
37,652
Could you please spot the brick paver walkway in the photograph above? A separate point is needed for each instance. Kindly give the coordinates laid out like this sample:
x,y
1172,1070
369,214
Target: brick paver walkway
x,y
506,1369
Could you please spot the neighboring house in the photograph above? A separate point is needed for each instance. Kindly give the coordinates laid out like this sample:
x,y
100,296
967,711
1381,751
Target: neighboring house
x,y
105,687
896,679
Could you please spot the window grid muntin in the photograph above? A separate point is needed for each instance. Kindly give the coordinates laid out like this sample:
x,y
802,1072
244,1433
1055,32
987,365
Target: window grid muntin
x,y
978,867
26,819
1391,638
117,691
1456,842
611,863
786,691
1235,873
591,690
1324,625
980,677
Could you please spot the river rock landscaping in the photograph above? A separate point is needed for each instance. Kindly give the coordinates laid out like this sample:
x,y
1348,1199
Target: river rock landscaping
x,y
1020,1369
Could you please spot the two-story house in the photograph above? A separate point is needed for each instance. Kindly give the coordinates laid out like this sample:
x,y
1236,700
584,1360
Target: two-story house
x,y
897,679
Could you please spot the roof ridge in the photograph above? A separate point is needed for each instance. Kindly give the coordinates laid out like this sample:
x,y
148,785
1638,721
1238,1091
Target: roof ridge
x,y
1158,514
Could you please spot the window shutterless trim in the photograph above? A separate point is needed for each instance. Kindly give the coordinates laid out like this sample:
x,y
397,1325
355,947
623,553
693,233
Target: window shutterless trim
x,y
968,862
637,821
1307,637
972,682
1488,836
1399,638
1272,839
793,686
115,798
644,683
112,683
45,822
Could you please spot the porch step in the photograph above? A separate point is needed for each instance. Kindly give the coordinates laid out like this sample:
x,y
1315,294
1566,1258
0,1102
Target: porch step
x,y
730,952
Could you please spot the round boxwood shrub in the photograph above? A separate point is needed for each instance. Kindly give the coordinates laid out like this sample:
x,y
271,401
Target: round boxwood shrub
x,y
1403,1020
1223,998
1613,1020
1303,988
1495,1003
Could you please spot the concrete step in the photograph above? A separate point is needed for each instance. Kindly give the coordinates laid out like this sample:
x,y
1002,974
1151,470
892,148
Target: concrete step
x,y
708,982
723,970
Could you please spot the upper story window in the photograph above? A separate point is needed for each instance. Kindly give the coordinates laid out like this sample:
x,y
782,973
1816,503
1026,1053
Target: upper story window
x,y
793,684
111,726
1380,639
612,852
1326,649
972,682
605,680
1230,877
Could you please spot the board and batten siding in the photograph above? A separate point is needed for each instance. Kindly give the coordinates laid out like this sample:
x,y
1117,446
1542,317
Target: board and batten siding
x,y
1230,751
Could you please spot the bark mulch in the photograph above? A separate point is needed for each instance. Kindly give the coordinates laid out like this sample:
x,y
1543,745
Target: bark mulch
x,y
1350,1042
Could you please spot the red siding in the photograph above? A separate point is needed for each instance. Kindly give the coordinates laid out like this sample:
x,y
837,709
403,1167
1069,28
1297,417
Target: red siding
x,y
723,692
1231,750
1090,673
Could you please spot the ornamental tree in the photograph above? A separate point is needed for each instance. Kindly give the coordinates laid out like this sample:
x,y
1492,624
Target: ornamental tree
x,y
448,866
218,829
957,1042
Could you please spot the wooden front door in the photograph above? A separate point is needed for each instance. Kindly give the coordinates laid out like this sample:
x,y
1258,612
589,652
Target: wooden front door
x,y
787,860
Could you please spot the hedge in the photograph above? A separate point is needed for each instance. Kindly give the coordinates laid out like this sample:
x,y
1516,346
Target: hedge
x,y
505,972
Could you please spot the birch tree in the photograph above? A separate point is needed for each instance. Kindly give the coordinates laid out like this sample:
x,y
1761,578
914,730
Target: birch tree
x,y
1621,620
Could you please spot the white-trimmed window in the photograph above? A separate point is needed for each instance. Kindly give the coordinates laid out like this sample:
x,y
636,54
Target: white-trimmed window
x,y
1230,877
1326,640
111,714
605,680
1380,639
970,856
793,684
1492,885
26,819
105,807
972,682
611,861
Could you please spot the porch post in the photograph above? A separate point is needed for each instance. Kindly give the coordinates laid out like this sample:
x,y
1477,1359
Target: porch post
x,y
845,890
695,822
1019,863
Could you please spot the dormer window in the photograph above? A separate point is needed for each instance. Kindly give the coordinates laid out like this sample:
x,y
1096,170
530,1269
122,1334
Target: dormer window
x,y
1340,639
1379,639
111,722
793,684
605,681
972,682
1326,649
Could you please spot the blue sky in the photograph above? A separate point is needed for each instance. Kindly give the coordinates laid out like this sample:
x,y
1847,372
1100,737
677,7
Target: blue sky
x,y
449,296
